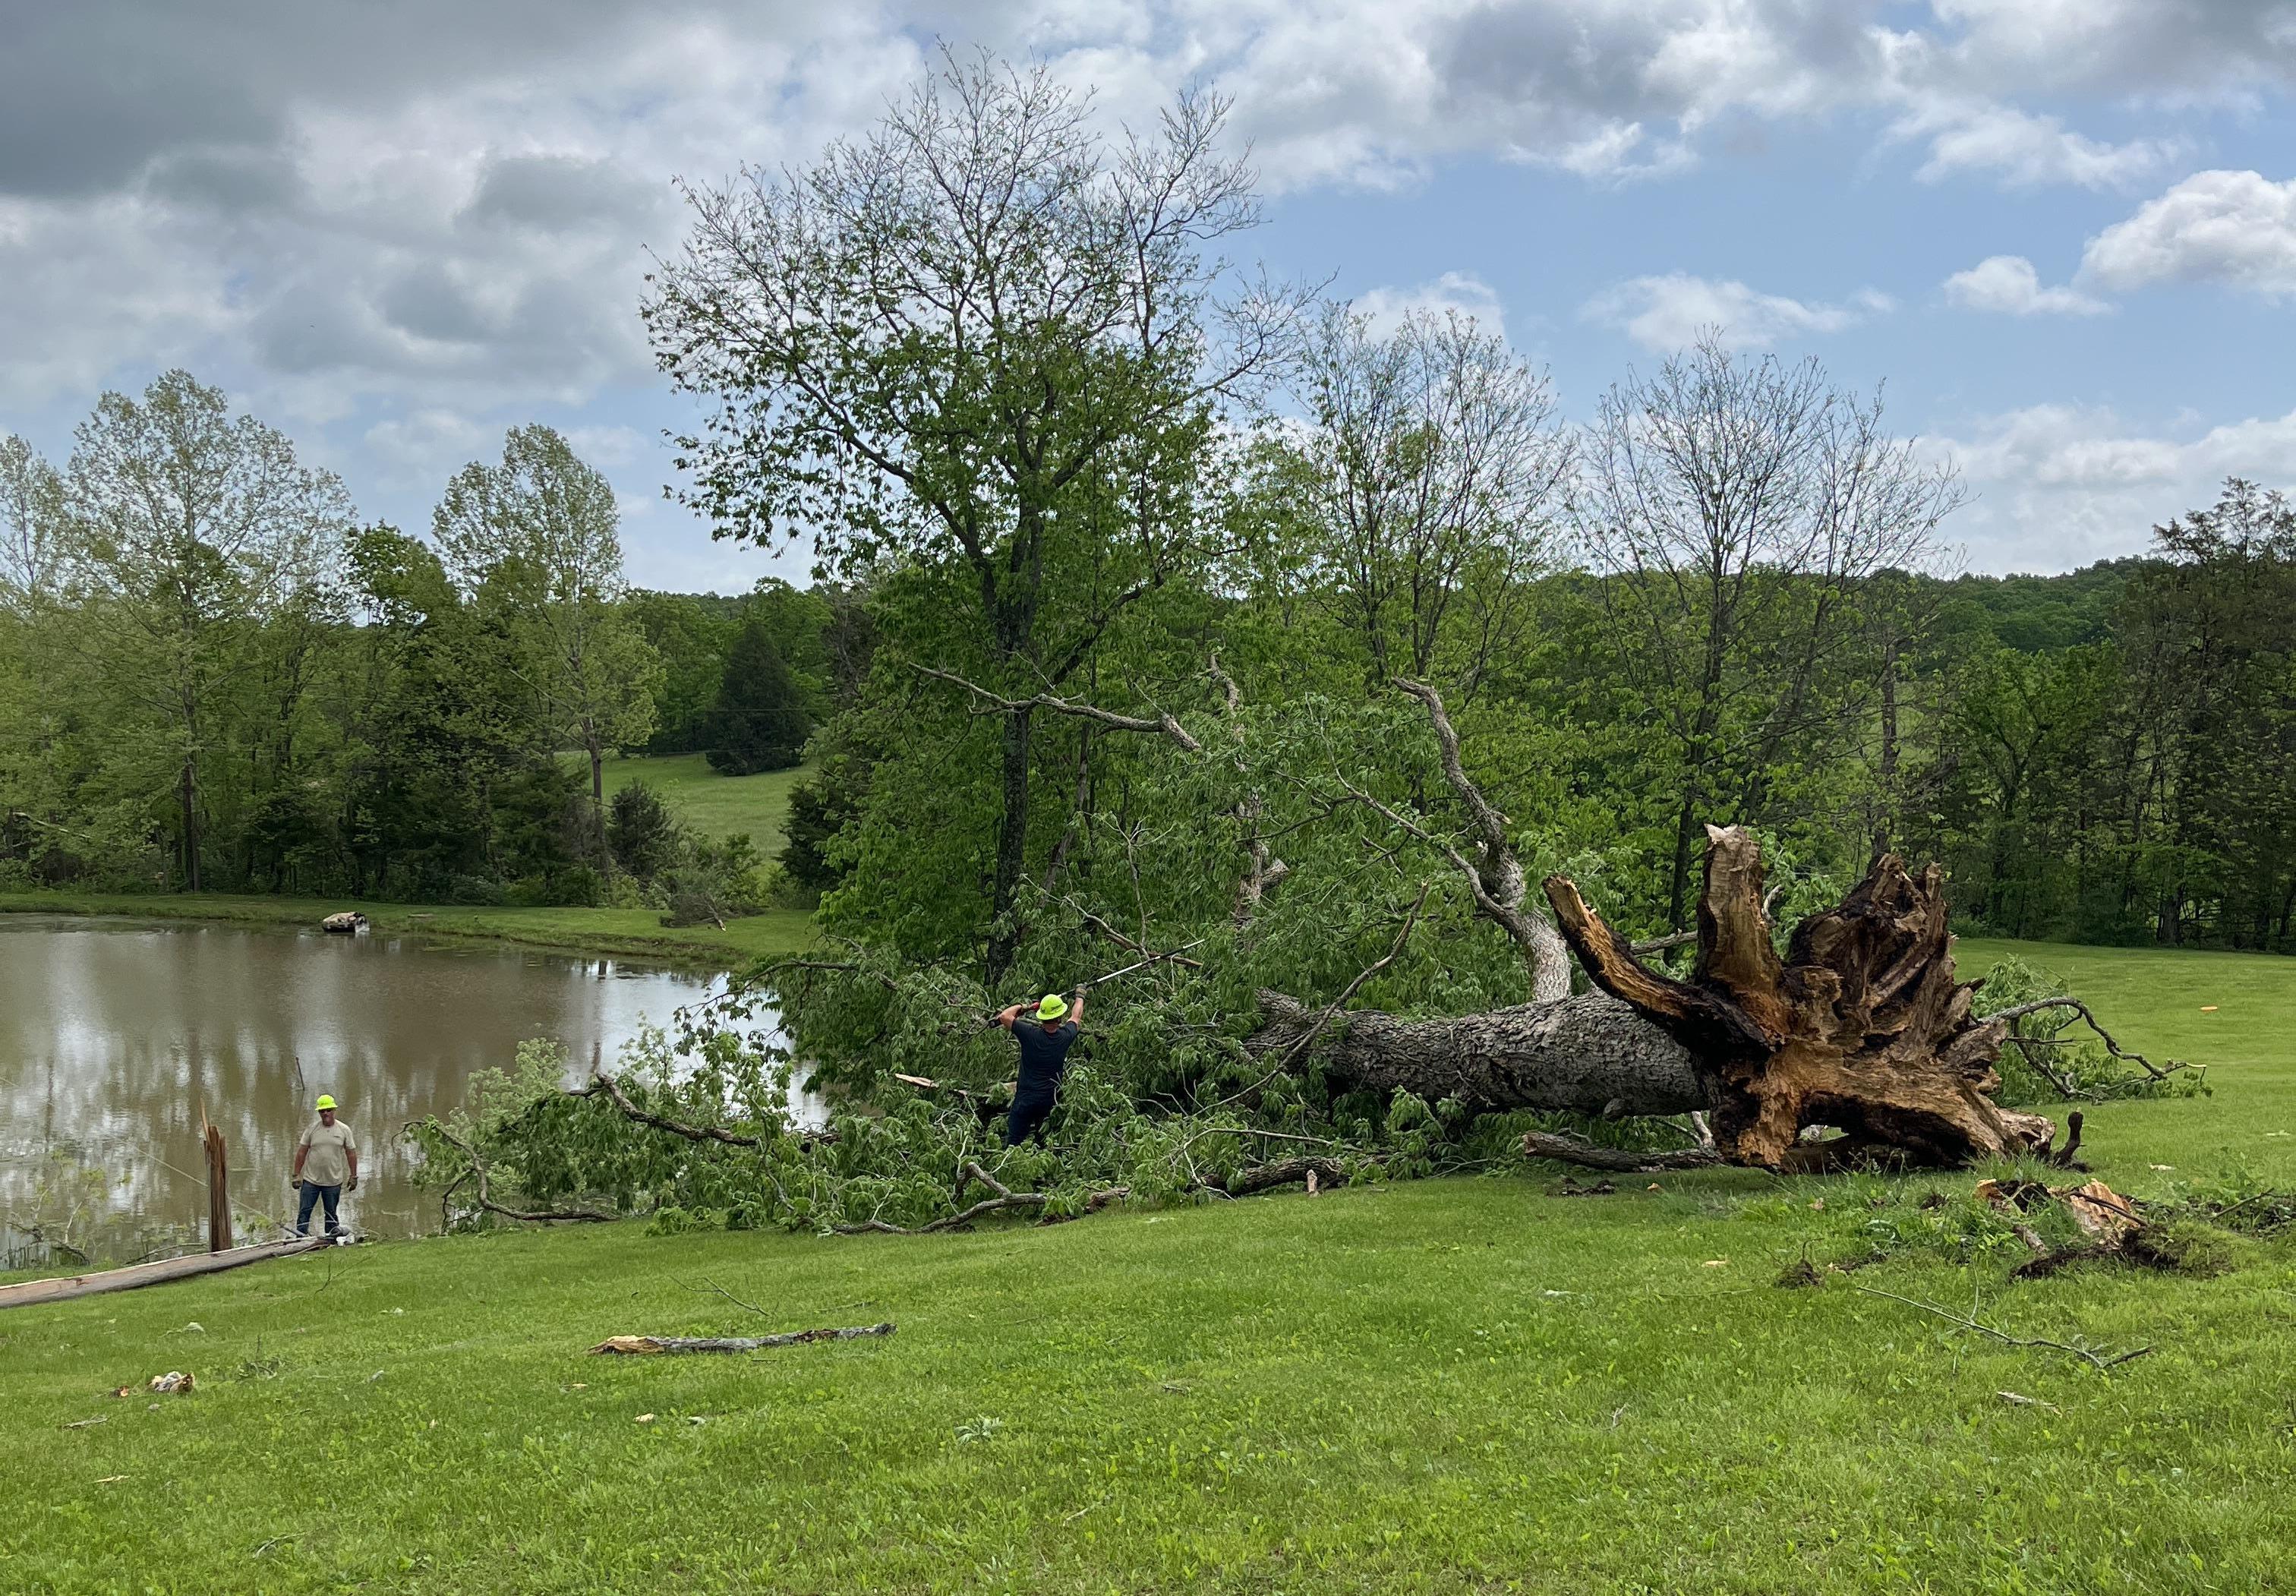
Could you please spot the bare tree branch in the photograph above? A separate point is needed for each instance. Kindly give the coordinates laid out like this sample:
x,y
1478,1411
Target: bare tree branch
x,y
1495,878
2082,1010
1960,1321
1162,725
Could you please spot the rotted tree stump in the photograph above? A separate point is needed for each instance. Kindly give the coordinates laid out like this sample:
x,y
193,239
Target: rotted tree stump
x,y
1861,1028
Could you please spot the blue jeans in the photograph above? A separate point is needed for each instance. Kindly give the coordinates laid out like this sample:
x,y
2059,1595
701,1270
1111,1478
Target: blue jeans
x,y
1032,1105
312,1194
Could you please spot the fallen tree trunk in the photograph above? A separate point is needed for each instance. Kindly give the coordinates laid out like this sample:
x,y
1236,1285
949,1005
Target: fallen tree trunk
x,y
1589,1054
1861,1029
63,1287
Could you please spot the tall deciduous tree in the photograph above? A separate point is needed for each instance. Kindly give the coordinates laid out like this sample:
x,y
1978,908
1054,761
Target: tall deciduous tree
x,y
977,335
1431,475
538,536
1738,508
190,529
32,528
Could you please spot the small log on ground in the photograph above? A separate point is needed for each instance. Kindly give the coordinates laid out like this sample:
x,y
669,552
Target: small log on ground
x,y
63,1287
1861,1027
1618,1160
636,1345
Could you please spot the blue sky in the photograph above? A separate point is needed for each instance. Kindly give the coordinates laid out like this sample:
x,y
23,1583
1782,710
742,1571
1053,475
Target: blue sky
x,y
2063,231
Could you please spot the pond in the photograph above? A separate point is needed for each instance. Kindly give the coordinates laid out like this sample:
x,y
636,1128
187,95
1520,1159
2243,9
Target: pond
x,y
116,1035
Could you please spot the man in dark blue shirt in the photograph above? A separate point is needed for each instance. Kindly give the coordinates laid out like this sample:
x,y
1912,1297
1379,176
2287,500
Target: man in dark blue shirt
x,y
1045,1040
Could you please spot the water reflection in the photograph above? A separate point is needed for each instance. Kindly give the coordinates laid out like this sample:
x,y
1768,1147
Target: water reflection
x,y
114,1035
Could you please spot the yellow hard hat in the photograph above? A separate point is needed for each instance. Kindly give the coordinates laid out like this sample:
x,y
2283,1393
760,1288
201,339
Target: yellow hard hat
x,y
1053,1007
326,1102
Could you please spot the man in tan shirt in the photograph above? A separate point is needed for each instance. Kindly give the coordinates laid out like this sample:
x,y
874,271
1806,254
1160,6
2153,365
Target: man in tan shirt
x,y
326,1163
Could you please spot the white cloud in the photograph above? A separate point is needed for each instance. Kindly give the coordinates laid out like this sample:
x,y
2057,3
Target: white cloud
x,y
1665,313
2028,151
423,448
2233,227
2063,485
2008,285
1461,291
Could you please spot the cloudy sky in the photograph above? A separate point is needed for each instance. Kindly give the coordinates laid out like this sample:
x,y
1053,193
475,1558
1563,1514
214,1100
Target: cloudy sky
x,y
2063,231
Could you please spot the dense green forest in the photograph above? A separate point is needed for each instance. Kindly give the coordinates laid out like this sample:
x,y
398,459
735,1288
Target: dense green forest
x,y
248,690
212,675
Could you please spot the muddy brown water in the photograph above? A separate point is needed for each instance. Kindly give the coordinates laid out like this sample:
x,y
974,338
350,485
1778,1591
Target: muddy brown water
x,y
114,1035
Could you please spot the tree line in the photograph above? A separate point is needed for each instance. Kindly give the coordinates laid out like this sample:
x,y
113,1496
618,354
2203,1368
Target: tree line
x,y
1087,478
214,676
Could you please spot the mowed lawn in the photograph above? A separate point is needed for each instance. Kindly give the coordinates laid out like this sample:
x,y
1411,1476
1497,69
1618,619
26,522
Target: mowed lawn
x,y
716,805
1455,1386
630,933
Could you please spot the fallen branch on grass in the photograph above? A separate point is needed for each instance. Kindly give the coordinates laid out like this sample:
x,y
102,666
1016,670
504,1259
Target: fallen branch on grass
x,y
1004,1200
2095,1360
63,1287
478,1173
634,1345
2029,1045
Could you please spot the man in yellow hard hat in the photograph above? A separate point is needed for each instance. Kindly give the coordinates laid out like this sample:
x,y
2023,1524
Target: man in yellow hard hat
x,y
1044,1040
326,1166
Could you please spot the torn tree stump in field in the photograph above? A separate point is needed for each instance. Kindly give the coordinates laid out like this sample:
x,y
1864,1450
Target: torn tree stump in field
x,y
636,1345
1861,1028
2108,1221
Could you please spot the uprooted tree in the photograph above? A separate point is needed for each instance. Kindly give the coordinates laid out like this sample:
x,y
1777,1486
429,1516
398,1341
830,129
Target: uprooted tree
x,y
1862,1029
1857,1046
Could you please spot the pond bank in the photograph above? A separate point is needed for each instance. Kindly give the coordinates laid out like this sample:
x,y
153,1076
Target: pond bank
x,y
623,933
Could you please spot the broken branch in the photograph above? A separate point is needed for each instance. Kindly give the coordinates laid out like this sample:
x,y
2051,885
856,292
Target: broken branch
x,y
1618,1160
634,1345
2095,1360
1160,724
1496,877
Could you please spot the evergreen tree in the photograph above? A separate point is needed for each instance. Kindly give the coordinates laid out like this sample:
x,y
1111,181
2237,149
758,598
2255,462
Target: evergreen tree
x,y
761,723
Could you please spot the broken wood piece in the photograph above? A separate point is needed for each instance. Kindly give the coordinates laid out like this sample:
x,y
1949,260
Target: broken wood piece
x,y
2104,1215
635,1346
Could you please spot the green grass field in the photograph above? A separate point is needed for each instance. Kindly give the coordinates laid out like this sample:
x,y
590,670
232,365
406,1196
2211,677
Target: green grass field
x,y
627,933
715,806
1455,1386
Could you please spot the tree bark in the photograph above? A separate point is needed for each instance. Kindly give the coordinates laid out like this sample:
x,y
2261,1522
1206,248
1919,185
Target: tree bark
x,y
1589,1054
1012,847
1862,1028
598,798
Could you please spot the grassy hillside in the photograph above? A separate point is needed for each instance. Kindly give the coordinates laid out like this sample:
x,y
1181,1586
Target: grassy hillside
x,y
713,805
1457,1385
